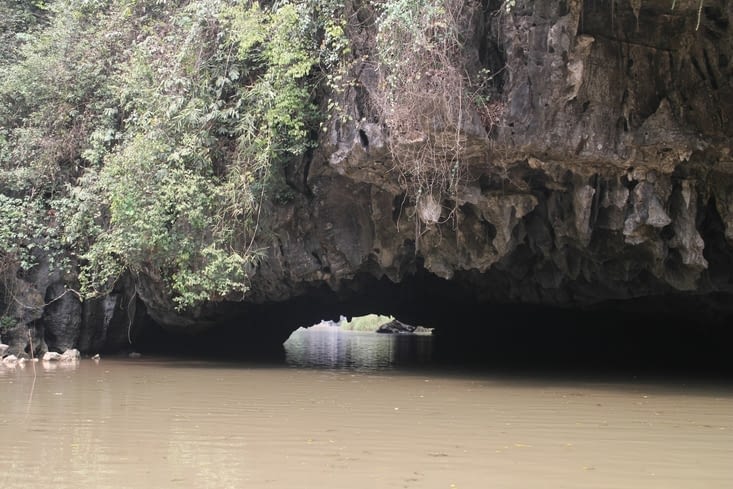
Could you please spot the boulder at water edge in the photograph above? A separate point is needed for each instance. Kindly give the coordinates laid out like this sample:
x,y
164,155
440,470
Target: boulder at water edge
x,y
51,356
10,360
71,355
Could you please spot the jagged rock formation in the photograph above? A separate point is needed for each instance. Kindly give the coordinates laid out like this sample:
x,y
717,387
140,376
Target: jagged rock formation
x,y
606,174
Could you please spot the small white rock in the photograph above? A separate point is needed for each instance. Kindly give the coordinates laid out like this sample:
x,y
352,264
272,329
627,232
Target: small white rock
x,y
96,357
51,356
134,355
10,360
71,355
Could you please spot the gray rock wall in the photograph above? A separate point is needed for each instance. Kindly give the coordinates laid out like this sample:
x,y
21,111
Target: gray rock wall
x,y
606,176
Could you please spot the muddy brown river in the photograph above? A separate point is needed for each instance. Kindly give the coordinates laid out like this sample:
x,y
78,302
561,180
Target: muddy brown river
x,y
365,422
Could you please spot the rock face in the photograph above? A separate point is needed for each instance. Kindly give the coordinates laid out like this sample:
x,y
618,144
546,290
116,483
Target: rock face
x,y
606,174
396,327
59,321
62,317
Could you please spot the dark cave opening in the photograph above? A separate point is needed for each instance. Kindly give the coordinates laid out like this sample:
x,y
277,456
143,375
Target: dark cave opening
x,y
663,334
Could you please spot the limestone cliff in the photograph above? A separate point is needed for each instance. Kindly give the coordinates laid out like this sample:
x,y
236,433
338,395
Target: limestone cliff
x,y
605,176
604,173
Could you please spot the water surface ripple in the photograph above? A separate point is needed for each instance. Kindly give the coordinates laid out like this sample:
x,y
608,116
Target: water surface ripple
x,y
171,424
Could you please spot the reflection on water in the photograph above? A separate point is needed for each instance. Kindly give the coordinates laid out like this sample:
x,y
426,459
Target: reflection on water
x,y
145,423
334,348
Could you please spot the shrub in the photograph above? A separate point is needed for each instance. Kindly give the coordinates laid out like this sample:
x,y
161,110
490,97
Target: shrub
x,y
424,96
153,132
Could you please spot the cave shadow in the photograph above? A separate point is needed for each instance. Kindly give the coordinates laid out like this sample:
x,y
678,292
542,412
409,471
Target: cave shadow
x,y
664,335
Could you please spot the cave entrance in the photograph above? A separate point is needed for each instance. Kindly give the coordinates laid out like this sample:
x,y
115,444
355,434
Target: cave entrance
x,y
662,333
369,342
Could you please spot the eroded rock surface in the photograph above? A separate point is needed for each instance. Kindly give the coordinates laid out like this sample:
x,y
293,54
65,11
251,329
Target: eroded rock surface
x,y
606,177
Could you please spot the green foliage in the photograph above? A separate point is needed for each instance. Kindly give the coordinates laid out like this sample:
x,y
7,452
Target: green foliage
x,y
143,136
281,45
7,323
162,187
19,20
52,100
25,229
407,28
370,322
